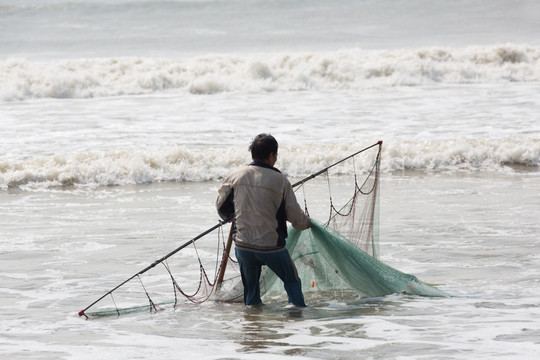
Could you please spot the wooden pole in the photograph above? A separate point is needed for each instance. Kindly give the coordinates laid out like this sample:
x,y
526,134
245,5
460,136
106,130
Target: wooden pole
x,y
225,258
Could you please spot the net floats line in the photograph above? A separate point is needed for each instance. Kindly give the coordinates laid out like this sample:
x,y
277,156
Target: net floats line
x,y
219,224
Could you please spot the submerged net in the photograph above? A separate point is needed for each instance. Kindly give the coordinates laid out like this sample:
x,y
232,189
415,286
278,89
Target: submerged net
x,y
327,261
338,256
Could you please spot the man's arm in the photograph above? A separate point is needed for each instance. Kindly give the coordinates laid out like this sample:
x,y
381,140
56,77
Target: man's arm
x,y
225,202
295,214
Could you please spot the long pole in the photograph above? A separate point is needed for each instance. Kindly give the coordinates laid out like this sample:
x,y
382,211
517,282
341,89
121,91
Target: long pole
x,y
220,223
334,164
187,243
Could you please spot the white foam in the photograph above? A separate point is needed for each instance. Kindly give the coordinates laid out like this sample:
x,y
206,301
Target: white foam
x,y
132,166
346,69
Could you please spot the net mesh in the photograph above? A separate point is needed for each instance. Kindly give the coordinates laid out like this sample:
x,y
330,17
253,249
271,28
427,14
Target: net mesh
x,y
341,254
328,262
334,257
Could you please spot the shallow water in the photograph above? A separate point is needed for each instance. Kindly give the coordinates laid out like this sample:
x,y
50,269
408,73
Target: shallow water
x,y
119,119
474,235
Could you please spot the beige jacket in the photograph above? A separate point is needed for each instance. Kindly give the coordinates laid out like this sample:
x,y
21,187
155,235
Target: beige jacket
x,y
261,199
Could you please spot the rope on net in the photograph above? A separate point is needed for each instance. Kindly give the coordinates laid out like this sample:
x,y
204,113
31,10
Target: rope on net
x,y
356,224
205,286
153,306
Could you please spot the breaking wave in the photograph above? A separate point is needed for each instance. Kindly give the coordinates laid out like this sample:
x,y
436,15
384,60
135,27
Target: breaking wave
x,y
347,69
132,166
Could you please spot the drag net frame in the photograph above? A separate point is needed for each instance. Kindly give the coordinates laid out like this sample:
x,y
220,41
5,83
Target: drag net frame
x,y
354,224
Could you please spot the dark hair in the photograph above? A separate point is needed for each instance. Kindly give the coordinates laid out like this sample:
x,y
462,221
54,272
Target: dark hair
x,y
262,146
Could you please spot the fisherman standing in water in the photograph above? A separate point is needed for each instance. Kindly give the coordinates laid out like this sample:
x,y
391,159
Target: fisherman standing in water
x,y
261,200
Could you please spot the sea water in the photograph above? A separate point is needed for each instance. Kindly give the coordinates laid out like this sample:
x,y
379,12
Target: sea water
x,y
118,119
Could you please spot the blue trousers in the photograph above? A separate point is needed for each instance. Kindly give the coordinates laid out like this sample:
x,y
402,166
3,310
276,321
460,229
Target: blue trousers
x,y
280,263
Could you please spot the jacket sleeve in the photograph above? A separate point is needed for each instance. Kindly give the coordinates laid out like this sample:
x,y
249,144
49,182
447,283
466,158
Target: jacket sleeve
x,y
295,214
225,202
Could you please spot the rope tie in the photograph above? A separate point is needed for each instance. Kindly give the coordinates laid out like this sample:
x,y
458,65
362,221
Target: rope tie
x,y
305,200
152,305
175,284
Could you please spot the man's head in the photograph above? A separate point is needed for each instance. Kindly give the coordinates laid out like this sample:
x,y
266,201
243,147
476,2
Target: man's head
x,y
264,148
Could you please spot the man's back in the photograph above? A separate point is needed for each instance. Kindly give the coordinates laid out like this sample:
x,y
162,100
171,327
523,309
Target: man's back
x,y
258,194
260,200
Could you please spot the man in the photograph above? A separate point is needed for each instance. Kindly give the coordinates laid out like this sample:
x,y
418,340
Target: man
x,y
261,200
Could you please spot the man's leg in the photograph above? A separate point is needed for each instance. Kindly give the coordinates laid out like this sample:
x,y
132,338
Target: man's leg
x,y
283,266
250,269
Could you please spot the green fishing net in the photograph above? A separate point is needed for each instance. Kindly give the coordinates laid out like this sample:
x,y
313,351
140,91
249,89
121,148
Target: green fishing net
x,y
338,257
328,262
343,253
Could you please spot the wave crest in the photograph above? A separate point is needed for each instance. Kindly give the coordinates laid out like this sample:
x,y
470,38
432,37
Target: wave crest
x,y
131,166
347,69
